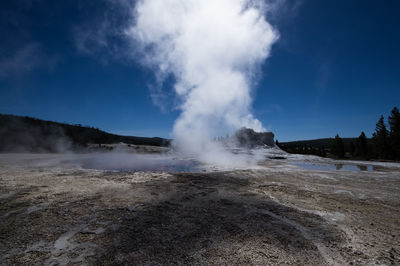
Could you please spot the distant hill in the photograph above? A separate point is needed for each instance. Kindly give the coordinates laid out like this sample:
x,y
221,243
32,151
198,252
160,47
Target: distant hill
x,y
318,143
26,134
315,146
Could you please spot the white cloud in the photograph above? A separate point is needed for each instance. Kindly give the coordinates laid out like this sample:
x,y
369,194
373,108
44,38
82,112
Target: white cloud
x,y
101,35
25,59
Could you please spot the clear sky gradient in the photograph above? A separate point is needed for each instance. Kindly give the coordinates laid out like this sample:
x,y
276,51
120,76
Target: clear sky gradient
x,y
335,68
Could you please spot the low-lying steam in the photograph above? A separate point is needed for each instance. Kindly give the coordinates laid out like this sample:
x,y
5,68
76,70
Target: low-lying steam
x,y
213,49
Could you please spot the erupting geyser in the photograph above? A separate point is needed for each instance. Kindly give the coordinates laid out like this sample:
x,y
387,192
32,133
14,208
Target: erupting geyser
x,y
213,49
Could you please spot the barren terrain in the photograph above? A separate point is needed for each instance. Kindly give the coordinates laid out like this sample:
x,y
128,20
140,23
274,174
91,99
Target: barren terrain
x,y
55,212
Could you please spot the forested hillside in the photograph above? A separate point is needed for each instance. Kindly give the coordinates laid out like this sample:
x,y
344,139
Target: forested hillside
x,y
26,134
384,144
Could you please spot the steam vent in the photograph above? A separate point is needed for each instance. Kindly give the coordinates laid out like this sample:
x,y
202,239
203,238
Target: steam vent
x,y
248,138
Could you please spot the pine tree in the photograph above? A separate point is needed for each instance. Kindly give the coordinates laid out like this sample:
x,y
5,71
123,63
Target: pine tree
x,y
333,150
352,148
323,152
337,147
394,135
361,146
303,149
380,139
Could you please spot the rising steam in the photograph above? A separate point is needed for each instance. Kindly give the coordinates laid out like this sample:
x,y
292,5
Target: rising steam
x,y
213,49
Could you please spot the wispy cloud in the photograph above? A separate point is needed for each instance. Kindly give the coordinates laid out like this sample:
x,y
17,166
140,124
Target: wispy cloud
x,y
273,108
323,75
101,35
283,10
158,97
25,59
90,40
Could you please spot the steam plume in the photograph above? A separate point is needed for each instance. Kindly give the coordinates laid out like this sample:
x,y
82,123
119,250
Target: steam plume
x,y
213,49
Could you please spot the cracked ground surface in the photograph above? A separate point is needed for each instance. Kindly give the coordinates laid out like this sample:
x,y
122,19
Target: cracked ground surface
x,y
60,214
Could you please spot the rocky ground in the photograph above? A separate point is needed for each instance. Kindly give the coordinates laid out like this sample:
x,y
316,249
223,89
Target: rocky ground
x,y
54,212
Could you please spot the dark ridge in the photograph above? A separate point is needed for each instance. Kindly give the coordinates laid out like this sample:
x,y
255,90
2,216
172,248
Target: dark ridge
x,y
27,134
331,147
318,143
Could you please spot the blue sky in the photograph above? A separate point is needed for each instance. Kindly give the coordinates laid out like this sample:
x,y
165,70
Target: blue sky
x,y
335,68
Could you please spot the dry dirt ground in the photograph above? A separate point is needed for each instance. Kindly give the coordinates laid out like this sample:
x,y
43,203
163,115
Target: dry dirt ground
x,y
53,212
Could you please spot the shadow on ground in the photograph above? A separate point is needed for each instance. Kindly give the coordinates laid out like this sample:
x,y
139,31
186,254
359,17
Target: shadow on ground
x,y
214,219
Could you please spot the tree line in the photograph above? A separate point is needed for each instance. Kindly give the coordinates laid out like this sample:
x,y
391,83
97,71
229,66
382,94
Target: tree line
x,y
384,144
